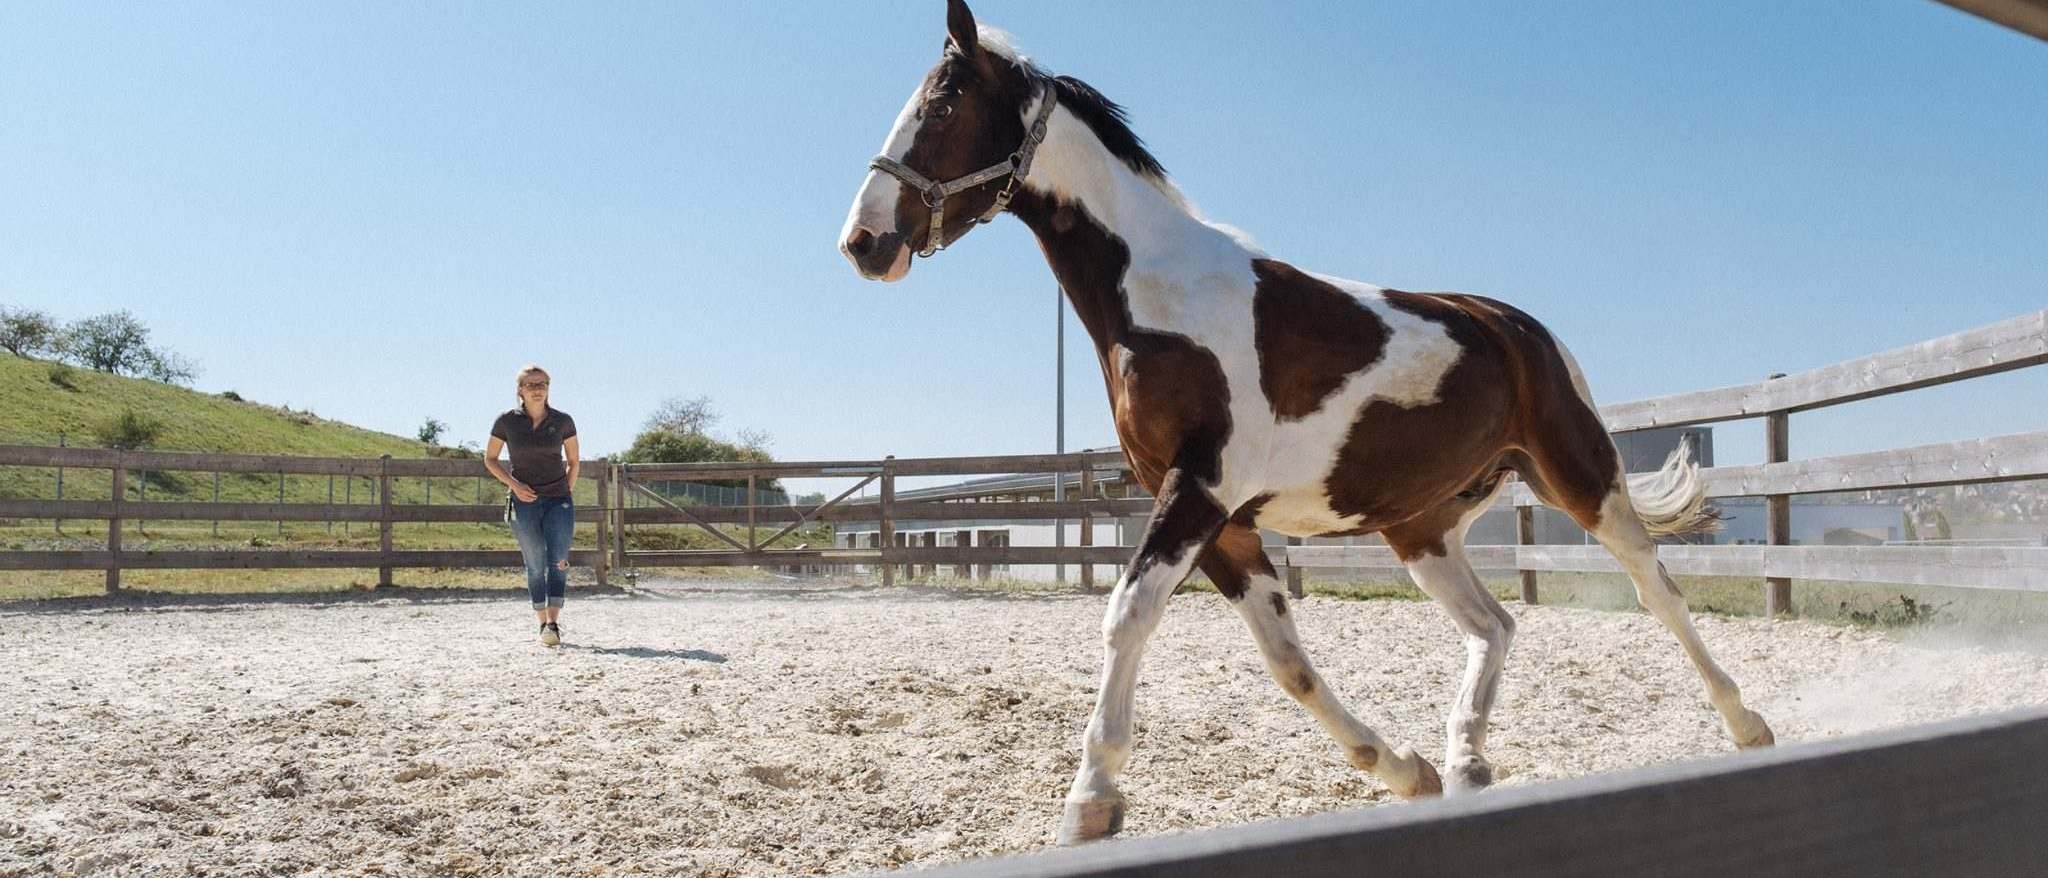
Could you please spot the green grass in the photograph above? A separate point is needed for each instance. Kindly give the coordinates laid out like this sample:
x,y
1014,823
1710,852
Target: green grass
x,y
39,410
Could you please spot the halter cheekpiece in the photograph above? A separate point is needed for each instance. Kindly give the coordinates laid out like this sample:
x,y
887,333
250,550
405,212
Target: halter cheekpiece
x,y
934,193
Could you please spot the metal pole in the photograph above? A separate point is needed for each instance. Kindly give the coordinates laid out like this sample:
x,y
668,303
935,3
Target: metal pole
x,y
280,502
1059,407
216,499
330,503
348,498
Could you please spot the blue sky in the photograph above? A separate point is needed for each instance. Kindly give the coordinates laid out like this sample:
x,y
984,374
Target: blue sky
x,y
379,211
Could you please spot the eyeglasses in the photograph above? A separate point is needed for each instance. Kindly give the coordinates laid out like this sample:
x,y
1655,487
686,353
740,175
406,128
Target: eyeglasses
x,y
533,385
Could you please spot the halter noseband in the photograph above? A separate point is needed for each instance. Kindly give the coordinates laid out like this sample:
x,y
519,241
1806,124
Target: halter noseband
x,y
935,193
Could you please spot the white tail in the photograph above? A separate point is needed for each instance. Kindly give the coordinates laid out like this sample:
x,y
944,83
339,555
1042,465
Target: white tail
x,y
1673,500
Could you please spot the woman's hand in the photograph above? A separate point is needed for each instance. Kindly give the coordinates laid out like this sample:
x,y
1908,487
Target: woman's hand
x,y
523,493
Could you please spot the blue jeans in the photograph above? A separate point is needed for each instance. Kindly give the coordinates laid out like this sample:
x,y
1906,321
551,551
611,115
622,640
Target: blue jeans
x,y
544,528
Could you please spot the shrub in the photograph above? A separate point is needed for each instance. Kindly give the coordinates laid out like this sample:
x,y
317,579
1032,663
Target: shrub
x,y
64,376
231,396
129,430
430,432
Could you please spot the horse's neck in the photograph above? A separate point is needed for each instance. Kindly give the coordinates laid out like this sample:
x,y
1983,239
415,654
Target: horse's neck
x,y
1122,246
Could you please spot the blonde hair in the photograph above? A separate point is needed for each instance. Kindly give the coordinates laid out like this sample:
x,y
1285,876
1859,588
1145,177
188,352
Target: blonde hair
x,y
519,379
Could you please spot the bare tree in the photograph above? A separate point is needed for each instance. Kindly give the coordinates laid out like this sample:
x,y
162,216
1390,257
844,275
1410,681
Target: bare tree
x,y
755,440
684,416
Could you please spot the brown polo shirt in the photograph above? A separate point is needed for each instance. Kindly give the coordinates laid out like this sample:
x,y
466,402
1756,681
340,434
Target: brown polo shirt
x,y
536,452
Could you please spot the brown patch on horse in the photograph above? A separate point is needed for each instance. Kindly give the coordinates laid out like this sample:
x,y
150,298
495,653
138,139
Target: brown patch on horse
x,y
1399,462
1365,757
1169,397
1233,557
1300,683
1310,337
1279,604
1424,534
1186,520
1567,456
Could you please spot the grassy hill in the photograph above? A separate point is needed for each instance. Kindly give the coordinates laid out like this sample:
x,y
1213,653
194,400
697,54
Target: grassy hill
x,y
43,401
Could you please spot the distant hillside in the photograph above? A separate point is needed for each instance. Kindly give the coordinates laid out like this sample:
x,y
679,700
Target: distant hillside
x,y
35,409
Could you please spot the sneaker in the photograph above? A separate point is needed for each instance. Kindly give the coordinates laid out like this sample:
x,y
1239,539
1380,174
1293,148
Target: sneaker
x,y
550,635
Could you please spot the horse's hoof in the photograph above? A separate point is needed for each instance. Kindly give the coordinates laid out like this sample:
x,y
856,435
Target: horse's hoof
x,y
1758,733
1427,782
1469,776
1089,820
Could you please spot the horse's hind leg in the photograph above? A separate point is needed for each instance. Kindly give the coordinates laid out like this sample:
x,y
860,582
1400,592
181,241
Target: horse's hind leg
x,y
1576,469
1621,531
1432,547
1237,564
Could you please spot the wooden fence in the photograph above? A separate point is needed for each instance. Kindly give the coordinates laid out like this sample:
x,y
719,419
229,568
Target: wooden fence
x,y
758,535
2000,347
383,512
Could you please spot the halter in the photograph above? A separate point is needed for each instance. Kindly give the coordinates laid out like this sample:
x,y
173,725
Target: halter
x,y
934,193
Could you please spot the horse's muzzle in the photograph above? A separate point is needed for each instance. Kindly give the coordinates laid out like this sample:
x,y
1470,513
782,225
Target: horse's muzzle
x,y
883,257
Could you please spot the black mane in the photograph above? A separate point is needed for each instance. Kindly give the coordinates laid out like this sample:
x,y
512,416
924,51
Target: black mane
x,y
1103,116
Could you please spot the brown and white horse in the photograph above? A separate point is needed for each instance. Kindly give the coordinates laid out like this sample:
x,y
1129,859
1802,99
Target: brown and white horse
x,y
1251,394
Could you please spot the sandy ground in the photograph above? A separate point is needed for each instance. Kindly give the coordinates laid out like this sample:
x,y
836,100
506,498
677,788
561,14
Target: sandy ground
x,y
720,732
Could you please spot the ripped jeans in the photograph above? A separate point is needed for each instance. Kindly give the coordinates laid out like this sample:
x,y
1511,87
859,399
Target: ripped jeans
x,y
544,528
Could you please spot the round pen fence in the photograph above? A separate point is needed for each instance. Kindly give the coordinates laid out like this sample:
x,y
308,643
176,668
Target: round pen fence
x,y
631,496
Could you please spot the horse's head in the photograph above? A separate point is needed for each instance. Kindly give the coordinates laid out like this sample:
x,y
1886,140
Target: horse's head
x,y
953,158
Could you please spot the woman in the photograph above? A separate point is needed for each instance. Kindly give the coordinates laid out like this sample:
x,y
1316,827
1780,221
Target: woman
x,y
541,480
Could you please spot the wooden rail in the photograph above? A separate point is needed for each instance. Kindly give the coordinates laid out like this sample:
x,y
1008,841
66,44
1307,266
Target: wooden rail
x,y
2011,344
1963,799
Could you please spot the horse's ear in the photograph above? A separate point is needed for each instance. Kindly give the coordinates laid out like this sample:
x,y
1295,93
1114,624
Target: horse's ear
x,y
960,27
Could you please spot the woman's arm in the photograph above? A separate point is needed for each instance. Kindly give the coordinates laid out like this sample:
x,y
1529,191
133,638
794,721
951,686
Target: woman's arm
x,y
498,471
569,447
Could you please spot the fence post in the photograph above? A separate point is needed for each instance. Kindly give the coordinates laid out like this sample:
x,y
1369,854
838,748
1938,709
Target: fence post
x,y
330,503
114,531
751,498
604,545
142,496
216,499
619,526
1087,526
60,486
280,501
1294,577
1525,535
1778,512
384,521
348,498
887,528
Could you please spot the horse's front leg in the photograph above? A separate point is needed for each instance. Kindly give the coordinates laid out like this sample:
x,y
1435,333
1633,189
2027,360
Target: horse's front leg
x,y
1184,518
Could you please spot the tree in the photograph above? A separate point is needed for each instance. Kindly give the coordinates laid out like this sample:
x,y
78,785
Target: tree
x,y
26,332
669,446
118,344
683,416
169,368
430,432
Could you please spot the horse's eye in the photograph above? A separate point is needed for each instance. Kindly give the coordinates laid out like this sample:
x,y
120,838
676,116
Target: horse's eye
x,y
940,111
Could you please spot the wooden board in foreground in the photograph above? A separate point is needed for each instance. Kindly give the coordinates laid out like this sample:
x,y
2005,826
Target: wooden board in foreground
x,y
1964,799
